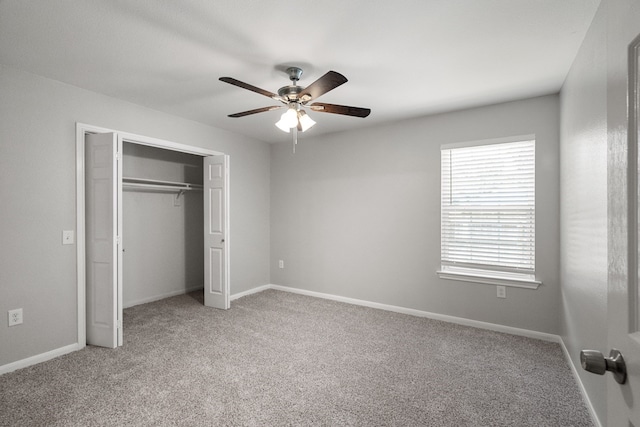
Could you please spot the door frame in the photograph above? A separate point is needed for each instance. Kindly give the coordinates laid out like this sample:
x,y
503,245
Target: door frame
x,y
82,130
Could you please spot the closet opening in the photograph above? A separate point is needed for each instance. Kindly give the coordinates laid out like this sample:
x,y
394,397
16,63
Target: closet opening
x,y
162,215
152,223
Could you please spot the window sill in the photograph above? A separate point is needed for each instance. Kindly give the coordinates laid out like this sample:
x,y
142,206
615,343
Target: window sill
x,y
489,280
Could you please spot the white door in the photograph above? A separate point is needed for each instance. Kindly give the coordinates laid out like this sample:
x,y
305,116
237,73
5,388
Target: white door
x,y
103,194
216,241
623,400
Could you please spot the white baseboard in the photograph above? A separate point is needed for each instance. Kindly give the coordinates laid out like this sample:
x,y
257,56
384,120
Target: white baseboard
x,y
161,296
583,390
419,313
39,358
249,292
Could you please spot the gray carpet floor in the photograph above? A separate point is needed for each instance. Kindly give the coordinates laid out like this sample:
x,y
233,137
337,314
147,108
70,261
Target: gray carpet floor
x,y
281,359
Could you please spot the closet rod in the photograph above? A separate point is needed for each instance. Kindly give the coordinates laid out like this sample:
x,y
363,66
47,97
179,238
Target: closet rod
x,y
154,184
184,187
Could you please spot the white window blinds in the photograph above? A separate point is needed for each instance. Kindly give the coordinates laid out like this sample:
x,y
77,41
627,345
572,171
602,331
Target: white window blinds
x,y
488,209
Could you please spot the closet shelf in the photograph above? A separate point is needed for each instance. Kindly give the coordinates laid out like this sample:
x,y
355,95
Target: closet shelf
x,y
157,185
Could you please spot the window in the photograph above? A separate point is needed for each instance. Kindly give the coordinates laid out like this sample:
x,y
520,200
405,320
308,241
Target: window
x,y
488,212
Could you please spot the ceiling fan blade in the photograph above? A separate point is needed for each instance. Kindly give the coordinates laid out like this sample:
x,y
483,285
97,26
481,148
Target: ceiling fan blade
x,y
257,110
340,109
324,84
247,86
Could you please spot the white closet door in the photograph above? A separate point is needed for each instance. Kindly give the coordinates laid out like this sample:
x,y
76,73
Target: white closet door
x,y
103,189
216,242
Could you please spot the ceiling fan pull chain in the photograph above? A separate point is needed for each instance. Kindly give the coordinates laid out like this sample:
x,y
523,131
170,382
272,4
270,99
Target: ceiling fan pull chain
x,y
294,134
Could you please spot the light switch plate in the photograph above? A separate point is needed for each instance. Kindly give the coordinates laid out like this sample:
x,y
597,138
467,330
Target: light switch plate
x,y
67,237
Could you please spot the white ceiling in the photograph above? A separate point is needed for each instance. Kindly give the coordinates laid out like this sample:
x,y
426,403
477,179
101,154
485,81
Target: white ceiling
x,y
403,58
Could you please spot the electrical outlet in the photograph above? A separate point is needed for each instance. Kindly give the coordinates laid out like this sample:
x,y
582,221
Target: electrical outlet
x,y
502,291
15,317
67,237
281,264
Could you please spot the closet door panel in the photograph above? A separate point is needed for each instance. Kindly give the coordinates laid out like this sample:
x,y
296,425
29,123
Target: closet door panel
x,y
216,241
101,183
216,215
216,279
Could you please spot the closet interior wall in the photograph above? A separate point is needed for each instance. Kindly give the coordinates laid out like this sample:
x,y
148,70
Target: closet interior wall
x,y
162,230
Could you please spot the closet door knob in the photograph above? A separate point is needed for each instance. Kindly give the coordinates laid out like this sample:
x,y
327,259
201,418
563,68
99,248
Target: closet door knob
x,y
222,241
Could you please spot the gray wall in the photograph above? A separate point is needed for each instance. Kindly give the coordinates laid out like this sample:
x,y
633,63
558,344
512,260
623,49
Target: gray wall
x,y
38,173
583,206
357,214
162,242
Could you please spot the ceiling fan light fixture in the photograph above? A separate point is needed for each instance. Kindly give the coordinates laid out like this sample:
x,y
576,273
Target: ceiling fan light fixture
x,y
282,124
288,120
306,122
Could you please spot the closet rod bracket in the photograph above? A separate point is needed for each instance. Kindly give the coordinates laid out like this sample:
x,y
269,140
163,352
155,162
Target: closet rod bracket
x,y
177,201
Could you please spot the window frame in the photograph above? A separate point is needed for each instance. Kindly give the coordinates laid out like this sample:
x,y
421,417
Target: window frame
x,y
478,275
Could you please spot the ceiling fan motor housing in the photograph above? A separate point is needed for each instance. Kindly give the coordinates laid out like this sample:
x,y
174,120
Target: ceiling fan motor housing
x,y
290,92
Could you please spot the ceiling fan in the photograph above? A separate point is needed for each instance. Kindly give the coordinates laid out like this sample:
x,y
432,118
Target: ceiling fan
x,y
295,98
